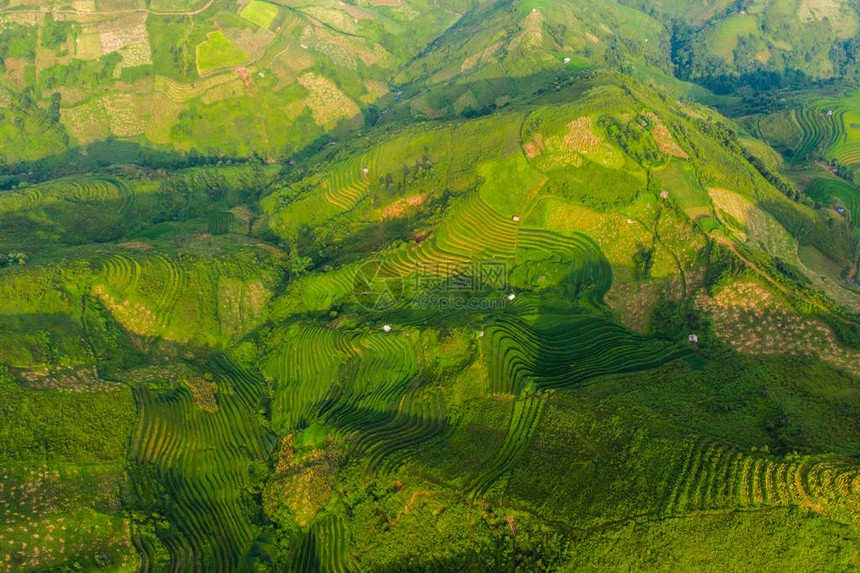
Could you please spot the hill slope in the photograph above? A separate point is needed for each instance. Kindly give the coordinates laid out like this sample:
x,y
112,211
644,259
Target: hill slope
x,y
527,313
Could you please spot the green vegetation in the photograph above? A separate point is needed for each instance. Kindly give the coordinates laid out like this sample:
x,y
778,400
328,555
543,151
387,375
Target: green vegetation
x,y
836,193
429,286
260,13
217,52
722,40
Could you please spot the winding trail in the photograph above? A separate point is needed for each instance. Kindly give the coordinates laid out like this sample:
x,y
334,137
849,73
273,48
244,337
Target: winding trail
x,y
734,249
788,292
104,12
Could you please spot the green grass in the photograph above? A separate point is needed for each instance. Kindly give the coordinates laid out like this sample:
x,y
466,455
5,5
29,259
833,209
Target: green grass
x,y
679,179
191,341
509,184
260,13
217,52
837,193
819,132
202,458
723,38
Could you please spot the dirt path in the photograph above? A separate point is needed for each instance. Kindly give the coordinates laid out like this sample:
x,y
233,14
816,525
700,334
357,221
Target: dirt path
x,y
105,12
734,249
415,496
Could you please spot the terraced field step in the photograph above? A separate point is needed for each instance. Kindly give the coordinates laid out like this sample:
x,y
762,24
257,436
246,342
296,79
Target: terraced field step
x,y
716,477
349,181
362,385
828,190
524,423
203,458
820,131
472,232
109,193
564,350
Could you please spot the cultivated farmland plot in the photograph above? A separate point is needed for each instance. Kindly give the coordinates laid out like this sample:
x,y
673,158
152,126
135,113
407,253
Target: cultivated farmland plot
x,y
401,285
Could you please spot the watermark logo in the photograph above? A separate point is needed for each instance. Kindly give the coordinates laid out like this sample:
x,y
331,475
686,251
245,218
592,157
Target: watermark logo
x,y
473,285
452,301
376,286
460,286
473,276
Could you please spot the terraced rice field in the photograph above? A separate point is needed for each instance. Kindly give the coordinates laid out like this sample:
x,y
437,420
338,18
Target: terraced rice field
x,y
472,145
715,477
563,350
180,93
819,130
362,384
324,548
203,458
389,442
635,23
835,192
302,371
525,8
176,296
349,181
474,231
73,190
122,272
845,146
848,154
292,60
525,420
723,38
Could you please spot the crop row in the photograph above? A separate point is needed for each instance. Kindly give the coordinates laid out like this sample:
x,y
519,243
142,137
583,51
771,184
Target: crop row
x,y
177,291
219,223
819,131
302,371
472,232
589,274
713,477
74,190
390,443
825,190
361,385
848,154
349,181
564,350
525,420
203,458
324,548
121,272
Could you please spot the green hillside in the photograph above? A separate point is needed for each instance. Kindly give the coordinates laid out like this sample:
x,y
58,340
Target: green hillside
x,y
395,285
